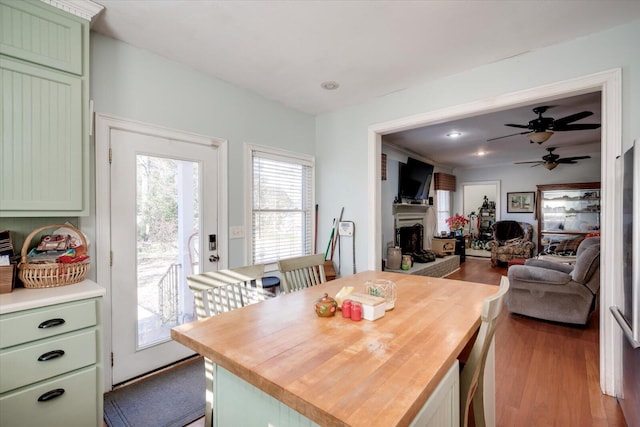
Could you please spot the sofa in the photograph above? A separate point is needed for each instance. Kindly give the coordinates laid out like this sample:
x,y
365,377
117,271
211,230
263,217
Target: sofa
x,y
555,291
511,239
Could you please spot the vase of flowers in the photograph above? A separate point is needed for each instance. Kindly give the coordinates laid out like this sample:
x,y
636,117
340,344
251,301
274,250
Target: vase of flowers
x,y
456,224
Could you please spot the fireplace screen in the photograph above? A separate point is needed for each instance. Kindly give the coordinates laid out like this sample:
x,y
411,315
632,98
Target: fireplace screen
x,y
410,238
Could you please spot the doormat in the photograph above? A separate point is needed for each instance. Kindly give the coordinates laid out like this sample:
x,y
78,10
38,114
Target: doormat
x,y
173,398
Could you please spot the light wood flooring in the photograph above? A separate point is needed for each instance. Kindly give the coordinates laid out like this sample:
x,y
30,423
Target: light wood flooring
x,y
547,374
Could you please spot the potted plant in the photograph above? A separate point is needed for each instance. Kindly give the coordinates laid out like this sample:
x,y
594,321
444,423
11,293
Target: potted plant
x,y
456,224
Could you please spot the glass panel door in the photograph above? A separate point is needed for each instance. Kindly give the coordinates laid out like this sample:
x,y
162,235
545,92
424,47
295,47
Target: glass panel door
x,y
163,196
167,218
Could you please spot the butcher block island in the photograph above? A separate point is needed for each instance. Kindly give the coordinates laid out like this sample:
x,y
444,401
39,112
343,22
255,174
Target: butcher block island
x,y
278,363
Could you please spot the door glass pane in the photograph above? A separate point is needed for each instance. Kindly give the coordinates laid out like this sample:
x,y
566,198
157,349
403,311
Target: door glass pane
x,y
167,214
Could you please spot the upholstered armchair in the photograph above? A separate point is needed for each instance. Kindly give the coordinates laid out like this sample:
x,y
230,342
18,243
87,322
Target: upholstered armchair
x,y
511,239
554,291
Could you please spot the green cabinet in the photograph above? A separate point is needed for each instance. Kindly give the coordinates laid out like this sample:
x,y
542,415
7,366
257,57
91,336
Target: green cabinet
x,y
50,357
42,35
44,86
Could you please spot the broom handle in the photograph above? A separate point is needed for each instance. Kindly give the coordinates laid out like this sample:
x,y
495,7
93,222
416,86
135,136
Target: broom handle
x,y
333,229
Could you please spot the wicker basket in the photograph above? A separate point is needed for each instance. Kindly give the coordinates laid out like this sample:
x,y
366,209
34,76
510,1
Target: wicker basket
x,y
53,274
7,278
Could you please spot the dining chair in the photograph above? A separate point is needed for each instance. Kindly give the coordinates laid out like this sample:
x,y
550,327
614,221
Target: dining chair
x,y
218,292
472,375
302,272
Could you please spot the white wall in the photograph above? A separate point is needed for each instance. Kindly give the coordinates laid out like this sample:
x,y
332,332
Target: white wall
x,y
342,179
516,179
473,196
138,85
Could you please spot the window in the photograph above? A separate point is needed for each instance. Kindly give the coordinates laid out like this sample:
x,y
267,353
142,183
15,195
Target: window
x,y
444,209
282,203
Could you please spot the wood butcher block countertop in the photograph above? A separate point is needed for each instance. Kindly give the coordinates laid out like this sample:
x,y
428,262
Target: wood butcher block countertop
x,y
339,372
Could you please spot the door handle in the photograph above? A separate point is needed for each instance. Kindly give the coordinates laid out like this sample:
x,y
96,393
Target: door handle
x,y
214,258
617,314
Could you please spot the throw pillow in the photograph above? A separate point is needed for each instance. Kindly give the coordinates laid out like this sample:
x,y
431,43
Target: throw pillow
x,y
568,247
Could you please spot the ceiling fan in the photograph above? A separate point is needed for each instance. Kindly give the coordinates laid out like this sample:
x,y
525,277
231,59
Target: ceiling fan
x,y
550,161
542,128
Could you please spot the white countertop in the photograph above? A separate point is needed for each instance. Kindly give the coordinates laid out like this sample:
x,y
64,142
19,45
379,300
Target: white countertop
x,y
27,298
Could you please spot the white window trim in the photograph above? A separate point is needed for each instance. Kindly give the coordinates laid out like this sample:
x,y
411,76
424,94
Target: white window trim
x,y
278,154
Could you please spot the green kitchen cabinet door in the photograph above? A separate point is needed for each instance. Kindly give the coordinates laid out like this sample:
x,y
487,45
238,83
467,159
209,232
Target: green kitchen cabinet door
x,y
42,153
41,34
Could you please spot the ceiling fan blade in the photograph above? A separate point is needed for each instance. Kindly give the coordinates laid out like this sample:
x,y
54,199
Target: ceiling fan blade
x,y
572,159
538,162
583,126
506,136
517,126
572,118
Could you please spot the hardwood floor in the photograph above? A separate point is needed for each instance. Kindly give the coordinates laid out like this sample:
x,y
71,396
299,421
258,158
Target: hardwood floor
x,y
547,374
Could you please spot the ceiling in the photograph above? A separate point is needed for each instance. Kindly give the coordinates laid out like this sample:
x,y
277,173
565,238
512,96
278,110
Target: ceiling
x,y
284,50
433,144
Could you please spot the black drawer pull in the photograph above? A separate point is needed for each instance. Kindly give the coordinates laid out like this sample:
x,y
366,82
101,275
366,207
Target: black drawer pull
x,y
54,354
51,395
50,323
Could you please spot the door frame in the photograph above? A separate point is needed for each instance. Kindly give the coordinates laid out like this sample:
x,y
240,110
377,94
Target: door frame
x,y
609,83
497,197
104,124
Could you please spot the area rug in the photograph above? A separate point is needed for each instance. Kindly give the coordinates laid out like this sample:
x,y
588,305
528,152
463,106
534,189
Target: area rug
x,y
173,398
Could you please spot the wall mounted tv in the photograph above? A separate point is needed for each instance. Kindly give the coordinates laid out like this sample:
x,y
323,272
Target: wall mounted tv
x,y
415,180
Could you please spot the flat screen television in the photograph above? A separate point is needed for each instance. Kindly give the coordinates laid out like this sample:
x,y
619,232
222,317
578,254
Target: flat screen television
x,y
415,180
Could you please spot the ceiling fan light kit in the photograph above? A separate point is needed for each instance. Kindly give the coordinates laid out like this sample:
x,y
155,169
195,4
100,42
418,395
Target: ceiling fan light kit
x,y
540,137
550,166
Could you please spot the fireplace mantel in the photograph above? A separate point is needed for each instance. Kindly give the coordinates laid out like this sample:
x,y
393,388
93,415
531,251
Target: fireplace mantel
x,y
410,208
408,215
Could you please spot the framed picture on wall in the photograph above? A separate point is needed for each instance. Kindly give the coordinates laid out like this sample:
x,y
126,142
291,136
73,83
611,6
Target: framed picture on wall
x,y
520,202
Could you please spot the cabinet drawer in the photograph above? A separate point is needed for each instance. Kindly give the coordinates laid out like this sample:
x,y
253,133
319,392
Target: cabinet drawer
x,y
31,363
75,407
39,34
30,325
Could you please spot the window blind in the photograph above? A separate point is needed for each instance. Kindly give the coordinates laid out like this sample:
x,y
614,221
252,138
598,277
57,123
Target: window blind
x,y
443,204
282,207
444,181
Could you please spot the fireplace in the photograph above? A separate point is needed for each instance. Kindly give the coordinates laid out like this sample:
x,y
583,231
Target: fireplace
x,y
410,238
409,227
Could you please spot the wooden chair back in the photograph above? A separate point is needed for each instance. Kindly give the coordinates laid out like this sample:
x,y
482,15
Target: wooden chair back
x,y
218,292
472,375
302,272
225,290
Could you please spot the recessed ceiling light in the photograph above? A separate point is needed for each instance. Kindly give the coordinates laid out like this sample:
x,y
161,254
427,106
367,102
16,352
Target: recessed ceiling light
x,y
454,134
481,153
330,85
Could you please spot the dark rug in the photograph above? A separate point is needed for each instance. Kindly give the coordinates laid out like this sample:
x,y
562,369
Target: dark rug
x,y
173,398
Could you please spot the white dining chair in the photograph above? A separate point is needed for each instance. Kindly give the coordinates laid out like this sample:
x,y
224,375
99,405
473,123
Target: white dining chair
x,y
302,272
472,375
219,292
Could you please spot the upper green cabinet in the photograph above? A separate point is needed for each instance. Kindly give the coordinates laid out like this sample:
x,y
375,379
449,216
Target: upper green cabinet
x,y
44,114
42,36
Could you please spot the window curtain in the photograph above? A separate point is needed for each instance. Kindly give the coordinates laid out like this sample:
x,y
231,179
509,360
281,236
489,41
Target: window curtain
x,y
444,181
